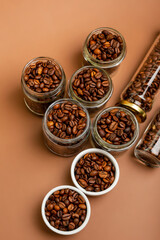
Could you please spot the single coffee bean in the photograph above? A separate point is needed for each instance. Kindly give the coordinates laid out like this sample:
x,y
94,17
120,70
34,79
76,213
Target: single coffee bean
x,y
71,226
66,216
82,206
101,132
94,172
83,183
62,218
113,126
62,205
71,207
50,207
103,174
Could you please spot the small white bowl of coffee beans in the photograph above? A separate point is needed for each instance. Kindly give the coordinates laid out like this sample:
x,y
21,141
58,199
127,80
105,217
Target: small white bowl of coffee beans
x,y
95,172
65,210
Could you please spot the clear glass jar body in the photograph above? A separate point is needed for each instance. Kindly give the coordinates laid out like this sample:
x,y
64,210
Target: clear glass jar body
x,y
139,94
39,102
111,65
99,142
65,147
93,106
147,150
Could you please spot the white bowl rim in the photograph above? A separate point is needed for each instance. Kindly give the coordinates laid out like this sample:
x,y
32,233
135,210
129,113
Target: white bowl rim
x,y
60,231
111,158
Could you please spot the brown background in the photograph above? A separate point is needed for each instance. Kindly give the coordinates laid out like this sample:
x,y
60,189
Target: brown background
x,y
27,169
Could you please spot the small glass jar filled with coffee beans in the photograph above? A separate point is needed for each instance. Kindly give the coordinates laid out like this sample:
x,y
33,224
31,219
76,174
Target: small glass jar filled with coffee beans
x,y
140,93
147,150
105,48
66,127
43,81
91,86
115,129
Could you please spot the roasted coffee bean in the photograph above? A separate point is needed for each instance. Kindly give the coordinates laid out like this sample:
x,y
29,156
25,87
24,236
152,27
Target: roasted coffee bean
x,y
62,218
40,76
95,174
150,143
116,127
82,183
144,86
105,46
90,84
60,118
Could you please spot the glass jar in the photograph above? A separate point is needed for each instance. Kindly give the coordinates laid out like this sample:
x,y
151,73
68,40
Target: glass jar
x,y
147,150
111,65
139,94
98,141
65,147
92,106
39,102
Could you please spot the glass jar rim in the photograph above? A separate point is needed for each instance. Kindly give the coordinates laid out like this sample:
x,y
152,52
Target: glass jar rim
x,y
100,101
44,93
65,141
120,57
112,146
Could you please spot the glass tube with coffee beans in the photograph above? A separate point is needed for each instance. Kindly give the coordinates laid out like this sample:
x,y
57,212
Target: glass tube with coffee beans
x,y
91,86
66,127
115,129
140,93
43,81
105,48
147,150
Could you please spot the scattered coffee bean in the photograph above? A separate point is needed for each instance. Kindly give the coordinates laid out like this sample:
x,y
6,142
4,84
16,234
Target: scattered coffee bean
x,y
116,127
94,172
151,141
105,46
66,210
66,120
144,86
90,84
43,76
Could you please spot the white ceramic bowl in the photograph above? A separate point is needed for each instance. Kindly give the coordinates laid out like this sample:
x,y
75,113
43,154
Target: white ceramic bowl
x,y
111,158
57,230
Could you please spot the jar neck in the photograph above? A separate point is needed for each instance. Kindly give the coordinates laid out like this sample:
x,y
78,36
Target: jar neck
x,y
89,104
42,96
66,142
137,111
104,64
112,147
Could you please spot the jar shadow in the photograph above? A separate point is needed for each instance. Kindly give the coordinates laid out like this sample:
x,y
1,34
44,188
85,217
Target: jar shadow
x,y
78,59
141,164
17,99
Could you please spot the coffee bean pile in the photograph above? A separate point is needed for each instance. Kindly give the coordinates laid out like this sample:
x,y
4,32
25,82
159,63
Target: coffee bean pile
x,y
105,46
94,172
90,84
151,138
43,76
143,88
66,210
116,127
66,120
